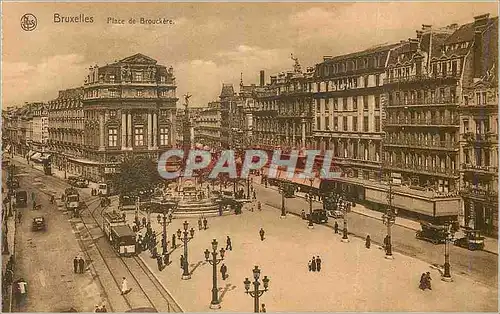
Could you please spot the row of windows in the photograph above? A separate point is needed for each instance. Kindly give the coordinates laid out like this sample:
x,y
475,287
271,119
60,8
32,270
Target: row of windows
x,y
138,137
116,93
345,125
349,83
344,103
137,75
352,65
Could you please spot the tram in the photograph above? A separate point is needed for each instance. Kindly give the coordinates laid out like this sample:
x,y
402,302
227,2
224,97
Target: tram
x,y
119,234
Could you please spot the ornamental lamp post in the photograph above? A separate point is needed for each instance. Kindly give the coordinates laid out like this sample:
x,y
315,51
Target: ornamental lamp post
x,y
345,208
256,293
389,218
447,275
311,224
215,304
166,221
187,236
283,210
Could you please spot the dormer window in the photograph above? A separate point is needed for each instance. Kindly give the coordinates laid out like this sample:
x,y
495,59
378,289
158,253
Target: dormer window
x,y
162,79
111,78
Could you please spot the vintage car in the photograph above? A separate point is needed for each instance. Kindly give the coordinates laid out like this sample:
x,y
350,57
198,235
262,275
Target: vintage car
x,y
38,224
471,241
80,183
335,214
319,216
433,233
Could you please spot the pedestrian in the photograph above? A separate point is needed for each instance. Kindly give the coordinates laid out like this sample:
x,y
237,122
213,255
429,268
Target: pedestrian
x,y
336,227
254,195
229,246
125,288
182,261
428,280
368,241
81,265
263,308
143,221
313,264
318,263
173,240
309,265
75,265
261,233
422,284
205,223
159,261
199,223
22,289
223,270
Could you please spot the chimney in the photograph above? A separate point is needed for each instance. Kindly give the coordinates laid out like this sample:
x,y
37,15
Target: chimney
x,y
481,21
262,78
426,27
477,51
326,58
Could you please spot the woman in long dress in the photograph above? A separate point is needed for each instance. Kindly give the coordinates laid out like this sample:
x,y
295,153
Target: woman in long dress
x,y
124,286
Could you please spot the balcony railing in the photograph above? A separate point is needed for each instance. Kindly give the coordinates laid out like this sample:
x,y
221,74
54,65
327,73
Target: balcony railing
x,y
480,137
474,168
479,192
423,144
416,78
424,102
421,168
429,122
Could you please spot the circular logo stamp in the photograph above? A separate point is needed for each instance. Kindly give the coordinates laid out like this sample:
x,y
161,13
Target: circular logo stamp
x,y
28,22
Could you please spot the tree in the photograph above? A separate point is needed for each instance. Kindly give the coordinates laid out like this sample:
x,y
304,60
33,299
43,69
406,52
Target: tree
x,y
136,174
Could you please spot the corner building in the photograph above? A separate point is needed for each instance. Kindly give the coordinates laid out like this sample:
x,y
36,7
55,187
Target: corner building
x,y
130,109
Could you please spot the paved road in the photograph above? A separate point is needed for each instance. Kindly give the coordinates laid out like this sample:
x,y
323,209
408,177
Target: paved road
x,y
479,265
45,259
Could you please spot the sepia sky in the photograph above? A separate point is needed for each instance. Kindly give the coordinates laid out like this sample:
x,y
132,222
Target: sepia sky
x,y
209,44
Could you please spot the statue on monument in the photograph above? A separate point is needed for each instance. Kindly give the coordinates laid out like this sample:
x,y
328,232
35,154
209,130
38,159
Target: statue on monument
x,y
296,67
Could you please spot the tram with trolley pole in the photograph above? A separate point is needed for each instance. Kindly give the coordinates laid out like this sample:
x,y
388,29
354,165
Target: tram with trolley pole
x,y
119,234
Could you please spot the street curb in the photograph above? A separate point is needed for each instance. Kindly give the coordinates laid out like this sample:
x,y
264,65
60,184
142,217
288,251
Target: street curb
x,y
366,215
161,283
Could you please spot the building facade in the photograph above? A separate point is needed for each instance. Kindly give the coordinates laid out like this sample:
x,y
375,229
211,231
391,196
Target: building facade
x,y
129,109
66,130
283,111
40,127
478,112
208,126
348,92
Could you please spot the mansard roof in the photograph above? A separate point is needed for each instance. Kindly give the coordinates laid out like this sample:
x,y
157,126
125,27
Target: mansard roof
x,y
366,52
227,90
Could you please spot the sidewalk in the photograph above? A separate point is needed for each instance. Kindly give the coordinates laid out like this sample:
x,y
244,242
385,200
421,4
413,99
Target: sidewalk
x,y
11,234
349,270
490,244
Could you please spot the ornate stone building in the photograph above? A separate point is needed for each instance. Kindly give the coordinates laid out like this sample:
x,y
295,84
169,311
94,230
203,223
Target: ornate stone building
x,y
129,109
348,92
208,126
283,111
479,129
66,130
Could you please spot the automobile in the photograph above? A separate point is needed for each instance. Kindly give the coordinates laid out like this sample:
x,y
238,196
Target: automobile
x,y
318,216
21,199
72,180
471,241
335,214
436,234
38,224
81,183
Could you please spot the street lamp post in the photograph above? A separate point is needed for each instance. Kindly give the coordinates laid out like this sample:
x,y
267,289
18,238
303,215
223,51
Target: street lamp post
x,y
283,210
345,208
248,188
389,218
215,304
187,236
311,224
166,221
447,275
137,208
256,293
